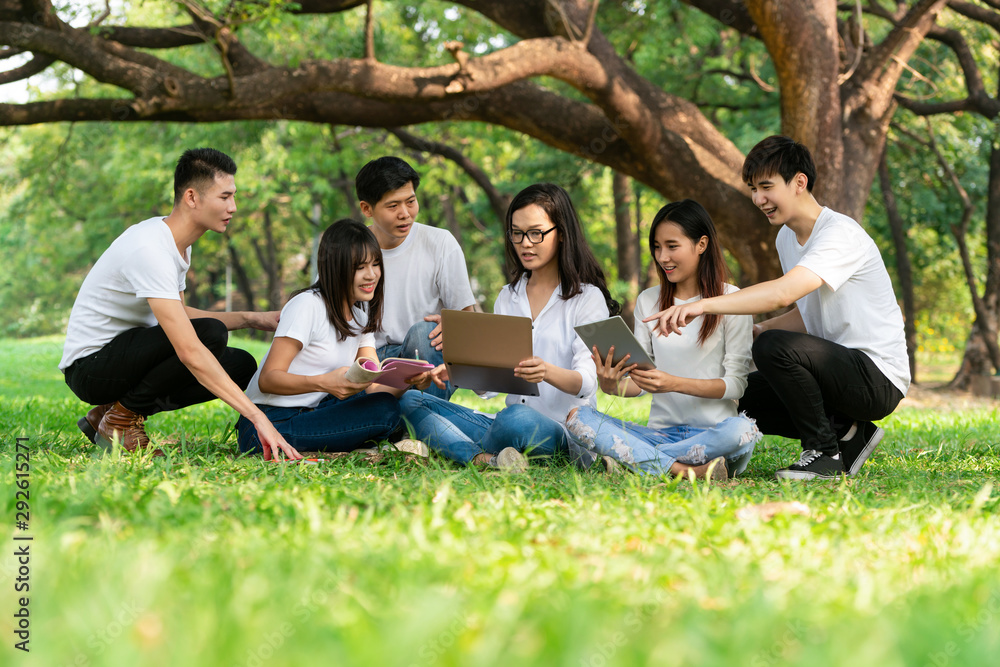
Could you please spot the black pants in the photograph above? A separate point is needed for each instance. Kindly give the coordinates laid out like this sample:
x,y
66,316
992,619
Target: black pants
x,y
809,388
140,369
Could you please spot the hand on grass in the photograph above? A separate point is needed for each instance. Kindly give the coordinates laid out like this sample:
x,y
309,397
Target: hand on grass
x,y
272,442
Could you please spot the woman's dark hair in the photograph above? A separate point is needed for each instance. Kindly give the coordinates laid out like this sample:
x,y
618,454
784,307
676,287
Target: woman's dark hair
x,y
577,264
713,273
345,245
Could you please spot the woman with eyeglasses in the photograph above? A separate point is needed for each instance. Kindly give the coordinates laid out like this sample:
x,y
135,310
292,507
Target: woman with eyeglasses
x,y
557,282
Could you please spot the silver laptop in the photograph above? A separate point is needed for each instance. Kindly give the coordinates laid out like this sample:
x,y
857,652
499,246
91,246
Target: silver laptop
x,y
481,351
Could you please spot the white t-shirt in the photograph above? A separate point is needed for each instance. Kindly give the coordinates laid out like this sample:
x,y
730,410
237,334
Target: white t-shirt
x,y
725,355
142,263
423,274
304,319
554,340
855,307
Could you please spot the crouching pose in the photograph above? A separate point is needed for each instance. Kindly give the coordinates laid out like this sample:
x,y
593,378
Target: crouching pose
x,y
301,384
829,367
133,349
693,425
557,282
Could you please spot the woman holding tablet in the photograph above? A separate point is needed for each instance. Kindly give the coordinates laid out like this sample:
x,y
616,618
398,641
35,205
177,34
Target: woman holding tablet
x,y
301,384
693,426
557,282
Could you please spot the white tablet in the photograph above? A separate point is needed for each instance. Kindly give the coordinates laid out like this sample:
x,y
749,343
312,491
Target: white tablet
x,y
603,334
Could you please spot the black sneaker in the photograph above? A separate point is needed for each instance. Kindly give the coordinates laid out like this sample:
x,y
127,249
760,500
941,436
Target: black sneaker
x,y
812,465
855,451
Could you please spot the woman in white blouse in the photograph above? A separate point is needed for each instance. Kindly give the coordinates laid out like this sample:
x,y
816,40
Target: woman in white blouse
x,y
699,377
557,282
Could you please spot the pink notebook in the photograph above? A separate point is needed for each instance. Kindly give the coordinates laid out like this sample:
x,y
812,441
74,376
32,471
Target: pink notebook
x,y
391,372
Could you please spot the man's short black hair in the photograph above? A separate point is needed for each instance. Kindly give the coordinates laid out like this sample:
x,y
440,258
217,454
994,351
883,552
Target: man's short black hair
x,y
198,167
779,155
383,175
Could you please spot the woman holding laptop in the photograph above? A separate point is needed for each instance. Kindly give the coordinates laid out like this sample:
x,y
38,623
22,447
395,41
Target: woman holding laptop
x,y
557,282
693,426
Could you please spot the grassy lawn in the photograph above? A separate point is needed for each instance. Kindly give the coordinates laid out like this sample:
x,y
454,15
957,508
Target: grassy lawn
x,y
208,559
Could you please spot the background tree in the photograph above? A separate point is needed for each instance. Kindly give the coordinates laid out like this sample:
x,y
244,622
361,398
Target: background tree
x,y
657,91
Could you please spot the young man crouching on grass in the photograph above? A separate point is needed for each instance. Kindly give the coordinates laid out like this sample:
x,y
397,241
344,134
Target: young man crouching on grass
x,y
837,361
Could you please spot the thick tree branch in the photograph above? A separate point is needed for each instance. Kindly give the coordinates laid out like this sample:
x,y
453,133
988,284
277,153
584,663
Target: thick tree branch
x,y
153,38
977,13
30,68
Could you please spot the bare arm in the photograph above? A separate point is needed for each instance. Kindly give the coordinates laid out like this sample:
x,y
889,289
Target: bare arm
x,y
209,372
275,378
790,321
266,321
760,298
658,382
537,370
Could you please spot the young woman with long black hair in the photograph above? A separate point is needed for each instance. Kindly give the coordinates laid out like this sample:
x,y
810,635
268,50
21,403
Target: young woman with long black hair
x,y
693,425
557,282
301,384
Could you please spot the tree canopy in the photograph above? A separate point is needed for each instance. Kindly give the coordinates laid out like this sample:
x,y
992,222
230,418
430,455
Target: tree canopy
x,y
667,93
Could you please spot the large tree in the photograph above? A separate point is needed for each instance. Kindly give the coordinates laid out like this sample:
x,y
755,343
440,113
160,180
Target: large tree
x,y
555,74
613,116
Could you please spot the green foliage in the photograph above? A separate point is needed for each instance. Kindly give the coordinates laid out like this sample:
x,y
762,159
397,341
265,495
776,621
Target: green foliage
x,y
207,559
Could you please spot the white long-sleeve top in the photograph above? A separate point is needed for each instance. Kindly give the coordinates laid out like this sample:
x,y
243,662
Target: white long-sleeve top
x,y
554,340
725,355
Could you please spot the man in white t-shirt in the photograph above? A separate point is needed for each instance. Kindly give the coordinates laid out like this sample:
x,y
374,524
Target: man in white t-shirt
x,y
133,348
424,267
835,363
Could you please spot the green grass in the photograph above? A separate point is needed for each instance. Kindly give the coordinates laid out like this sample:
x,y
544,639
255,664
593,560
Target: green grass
x,y
210,559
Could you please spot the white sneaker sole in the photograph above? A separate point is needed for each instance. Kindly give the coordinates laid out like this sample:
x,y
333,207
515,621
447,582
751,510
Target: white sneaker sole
x,y
866,452
511,460
415,447
803,474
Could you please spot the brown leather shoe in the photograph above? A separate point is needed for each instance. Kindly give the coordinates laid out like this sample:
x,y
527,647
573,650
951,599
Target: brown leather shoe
x,y
127,426
89,423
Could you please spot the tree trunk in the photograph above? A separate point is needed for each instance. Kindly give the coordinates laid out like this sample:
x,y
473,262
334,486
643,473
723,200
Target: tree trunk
x,y
451,220
268,257
625,235
243,283
903,268
982,353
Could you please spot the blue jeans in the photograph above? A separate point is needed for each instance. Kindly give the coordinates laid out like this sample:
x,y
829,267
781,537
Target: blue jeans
x,y
417,345
653,451
334,425
460,433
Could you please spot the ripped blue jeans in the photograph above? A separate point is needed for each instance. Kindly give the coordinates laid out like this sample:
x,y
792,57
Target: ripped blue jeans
x,y
652,451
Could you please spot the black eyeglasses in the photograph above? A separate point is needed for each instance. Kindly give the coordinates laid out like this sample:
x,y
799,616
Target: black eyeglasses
x,y
534,235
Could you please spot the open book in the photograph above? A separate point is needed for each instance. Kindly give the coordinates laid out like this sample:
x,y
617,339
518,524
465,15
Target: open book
x,y
392,372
